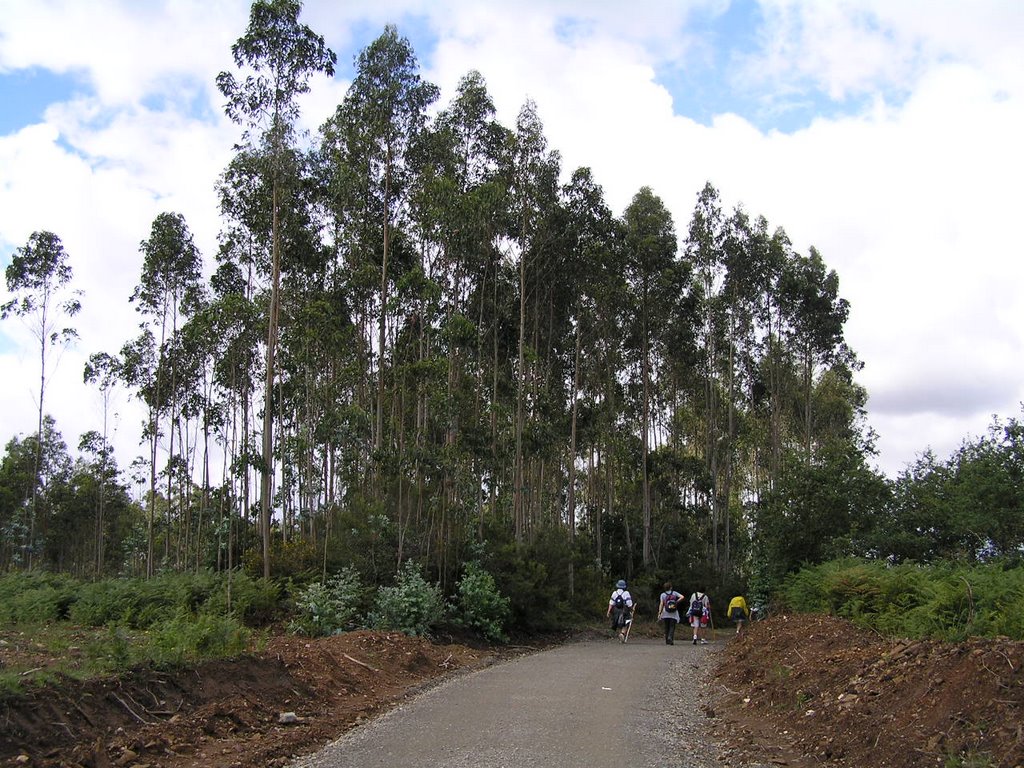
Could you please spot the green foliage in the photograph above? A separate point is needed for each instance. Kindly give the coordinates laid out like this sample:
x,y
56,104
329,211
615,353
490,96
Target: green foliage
x,y
411,606
116,647
255,601
189,639
479,606
112,601
35,597
969,759
324,608
818,511
295,558
948,602
968,508
536,597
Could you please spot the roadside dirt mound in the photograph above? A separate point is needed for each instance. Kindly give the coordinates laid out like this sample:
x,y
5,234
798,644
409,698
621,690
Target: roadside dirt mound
x,y
258,710
809,689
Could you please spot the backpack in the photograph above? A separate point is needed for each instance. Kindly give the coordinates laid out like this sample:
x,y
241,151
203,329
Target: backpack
x,y
620,602
697,606
671,603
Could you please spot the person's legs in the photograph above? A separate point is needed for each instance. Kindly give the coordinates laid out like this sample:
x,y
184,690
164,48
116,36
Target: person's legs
x,y
670,631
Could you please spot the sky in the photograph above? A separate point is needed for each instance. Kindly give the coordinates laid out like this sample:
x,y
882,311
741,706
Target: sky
x,y
885,133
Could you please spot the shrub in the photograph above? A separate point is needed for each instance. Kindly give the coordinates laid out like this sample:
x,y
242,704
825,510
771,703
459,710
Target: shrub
x,y
945,602
326,608
187,639
479,606
253,600
411,606
36,597
105,602
114,650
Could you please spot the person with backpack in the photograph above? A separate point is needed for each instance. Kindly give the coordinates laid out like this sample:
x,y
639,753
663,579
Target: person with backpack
x,y
738,612
699,613
668,611
620,609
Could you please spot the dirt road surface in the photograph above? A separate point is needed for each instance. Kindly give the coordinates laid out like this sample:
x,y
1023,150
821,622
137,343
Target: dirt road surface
x,y
596,703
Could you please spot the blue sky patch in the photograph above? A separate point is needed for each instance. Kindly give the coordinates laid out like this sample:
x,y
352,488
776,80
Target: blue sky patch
x,y
415,28
26,93
710,80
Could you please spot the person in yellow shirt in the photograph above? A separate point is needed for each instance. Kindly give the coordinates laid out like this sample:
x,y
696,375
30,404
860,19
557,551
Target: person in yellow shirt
x,y
738,612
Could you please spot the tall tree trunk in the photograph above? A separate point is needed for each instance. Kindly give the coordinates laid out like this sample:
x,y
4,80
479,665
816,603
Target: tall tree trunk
x,y
268,388
382,324
571,469
645,439
518,502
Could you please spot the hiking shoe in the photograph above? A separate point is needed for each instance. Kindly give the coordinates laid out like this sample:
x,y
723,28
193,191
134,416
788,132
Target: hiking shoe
x,y
695,641
703,641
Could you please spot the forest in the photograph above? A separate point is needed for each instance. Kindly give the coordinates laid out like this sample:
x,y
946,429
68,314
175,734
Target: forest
x,y
423,340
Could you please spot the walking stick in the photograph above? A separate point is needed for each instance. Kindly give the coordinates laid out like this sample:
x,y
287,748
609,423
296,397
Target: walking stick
x,y
629,624
712,620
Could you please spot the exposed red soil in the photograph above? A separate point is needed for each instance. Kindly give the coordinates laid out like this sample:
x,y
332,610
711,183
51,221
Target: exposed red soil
x,y
816,690
225,713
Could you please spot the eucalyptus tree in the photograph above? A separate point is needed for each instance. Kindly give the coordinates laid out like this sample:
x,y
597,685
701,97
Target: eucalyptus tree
x,y
39,279
650,248
369,139
705,249
139,372
280,55
169,287
592,237
104,371
815,315
97,474
19,473
483,153
54,468
603,307
534,192
235,321
753,264
743,251
777,354
456,216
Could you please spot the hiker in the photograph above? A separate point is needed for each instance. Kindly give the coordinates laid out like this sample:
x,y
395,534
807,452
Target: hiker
x,y
699,614
620,608
738,612
668,611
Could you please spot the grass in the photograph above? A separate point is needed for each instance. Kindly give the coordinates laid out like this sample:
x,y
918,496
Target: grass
x,y
34,654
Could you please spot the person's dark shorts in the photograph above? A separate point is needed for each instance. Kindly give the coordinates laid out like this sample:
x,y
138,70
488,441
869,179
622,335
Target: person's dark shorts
x,y
738,615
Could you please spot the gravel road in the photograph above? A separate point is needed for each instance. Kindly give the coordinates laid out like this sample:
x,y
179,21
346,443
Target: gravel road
x,y
594,704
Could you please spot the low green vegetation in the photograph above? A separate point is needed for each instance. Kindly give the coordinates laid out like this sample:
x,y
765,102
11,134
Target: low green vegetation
x,y
943,601
411,605
95,628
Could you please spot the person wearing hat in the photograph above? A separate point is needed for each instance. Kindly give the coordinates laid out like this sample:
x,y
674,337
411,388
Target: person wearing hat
x,y
620,609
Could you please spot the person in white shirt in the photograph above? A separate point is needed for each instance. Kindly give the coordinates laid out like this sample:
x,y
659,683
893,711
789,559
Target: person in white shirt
x,y
620,609
699,614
